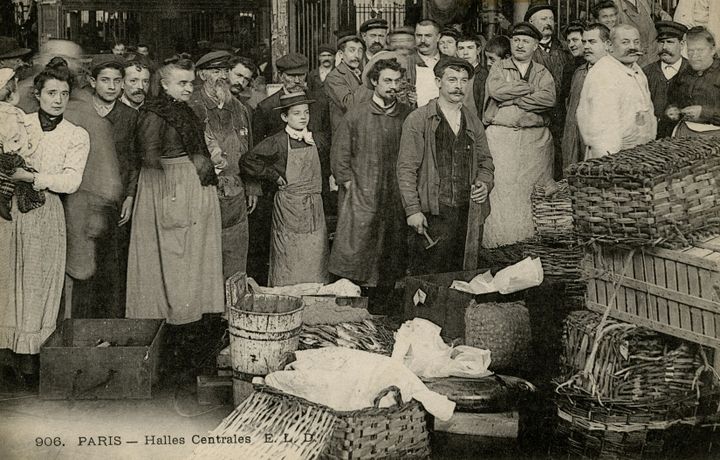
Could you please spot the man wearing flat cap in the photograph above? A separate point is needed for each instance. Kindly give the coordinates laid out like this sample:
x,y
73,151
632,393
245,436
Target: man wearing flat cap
x,y
343,84
519,100
228,136
555,56
670,40
292,72
374,33
444,163
370,240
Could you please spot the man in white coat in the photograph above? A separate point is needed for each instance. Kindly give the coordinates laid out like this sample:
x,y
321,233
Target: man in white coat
x,y
616,110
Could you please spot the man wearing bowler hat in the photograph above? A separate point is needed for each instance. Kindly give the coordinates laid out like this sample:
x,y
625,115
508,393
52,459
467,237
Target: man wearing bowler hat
x,y
228,137
11,54
670,41
374,34
343,85
443,163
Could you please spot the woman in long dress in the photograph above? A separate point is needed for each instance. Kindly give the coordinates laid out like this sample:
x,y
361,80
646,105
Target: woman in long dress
x,y
33,243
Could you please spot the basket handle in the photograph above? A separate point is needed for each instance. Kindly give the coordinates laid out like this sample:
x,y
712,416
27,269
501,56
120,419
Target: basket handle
x,y
391,389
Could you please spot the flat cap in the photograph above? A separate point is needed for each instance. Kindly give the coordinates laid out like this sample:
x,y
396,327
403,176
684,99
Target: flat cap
x,y
348,35
326,48
527,29
534,8
407,30
450,32
102,59
670,29
374,23
9,48
213,60
292,64
292,99
444,63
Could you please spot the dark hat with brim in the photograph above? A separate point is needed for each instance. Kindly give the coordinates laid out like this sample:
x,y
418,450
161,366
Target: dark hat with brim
x,y
293,64
450,32
9,48
453,62
535,8
326,48
381,55
374,23
526,29
103,59
213,60
670,29
293,99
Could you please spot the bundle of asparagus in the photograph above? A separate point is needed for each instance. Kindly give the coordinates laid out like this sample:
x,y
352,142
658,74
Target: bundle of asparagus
x,y
367,335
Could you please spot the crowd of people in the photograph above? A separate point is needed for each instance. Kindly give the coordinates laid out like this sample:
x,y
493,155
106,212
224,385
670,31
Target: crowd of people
x,y
143,188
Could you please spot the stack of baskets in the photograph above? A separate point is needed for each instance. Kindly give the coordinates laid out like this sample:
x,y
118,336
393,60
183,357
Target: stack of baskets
x,y
660,193
555,242
624,387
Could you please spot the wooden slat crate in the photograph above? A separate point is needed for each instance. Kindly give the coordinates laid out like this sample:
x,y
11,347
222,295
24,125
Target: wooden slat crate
x,y
676,292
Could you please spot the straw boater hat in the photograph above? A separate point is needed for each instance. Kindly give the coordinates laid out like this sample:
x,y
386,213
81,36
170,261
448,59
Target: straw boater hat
x,y
376,57
293,99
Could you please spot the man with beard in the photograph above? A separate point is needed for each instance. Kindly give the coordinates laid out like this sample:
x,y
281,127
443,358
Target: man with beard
x,y
422,62
136,84
292,70
374,33
606,13
103,294
670,38
518,102
343,85
369,246
443,163
615,111
596,42
693,95
228,137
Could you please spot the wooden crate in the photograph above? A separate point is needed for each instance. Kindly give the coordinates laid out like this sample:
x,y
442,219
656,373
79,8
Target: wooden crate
x,y
676,292
73,367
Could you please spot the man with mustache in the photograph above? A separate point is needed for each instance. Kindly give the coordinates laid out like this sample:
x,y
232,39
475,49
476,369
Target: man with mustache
x,y
639,14
554,55
693,97
228,137
615,111
136,83
443,164
519,100
316,78
343,84
374,33
370,244
421,63
671,40
596,42
240,75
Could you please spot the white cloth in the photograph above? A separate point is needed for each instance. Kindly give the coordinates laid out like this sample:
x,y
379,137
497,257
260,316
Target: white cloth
x,y
670,70
346,380
615,111
304,135
425,85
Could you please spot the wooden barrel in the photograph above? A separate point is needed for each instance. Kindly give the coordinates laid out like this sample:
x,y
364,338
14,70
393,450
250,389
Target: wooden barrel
x,y
264,331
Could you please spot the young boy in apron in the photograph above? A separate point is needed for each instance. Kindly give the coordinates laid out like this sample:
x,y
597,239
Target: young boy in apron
x,y
289,158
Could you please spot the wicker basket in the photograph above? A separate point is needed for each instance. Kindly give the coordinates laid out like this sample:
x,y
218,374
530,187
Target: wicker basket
x,y
632,365
552,210
561,261
399,431
658,193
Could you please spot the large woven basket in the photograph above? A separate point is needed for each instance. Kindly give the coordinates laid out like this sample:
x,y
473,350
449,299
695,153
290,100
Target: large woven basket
x,y
561,261
662,192
552,210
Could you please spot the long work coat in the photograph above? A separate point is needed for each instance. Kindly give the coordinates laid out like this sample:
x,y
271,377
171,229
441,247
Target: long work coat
x,y
573,147
344,89
369,245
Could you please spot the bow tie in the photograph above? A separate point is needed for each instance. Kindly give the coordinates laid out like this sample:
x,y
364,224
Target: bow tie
x,y
302,136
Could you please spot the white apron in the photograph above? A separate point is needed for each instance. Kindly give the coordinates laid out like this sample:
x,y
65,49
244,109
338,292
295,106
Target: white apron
x,y
299,242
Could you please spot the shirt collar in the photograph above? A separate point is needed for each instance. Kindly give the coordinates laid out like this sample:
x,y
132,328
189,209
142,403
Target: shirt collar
x,y
304,135
130,103
102,109
632,71
675,66
430,61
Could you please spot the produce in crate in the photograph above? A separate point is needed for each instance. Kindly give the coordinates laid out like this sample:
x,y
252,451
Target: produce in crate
x,y
662,192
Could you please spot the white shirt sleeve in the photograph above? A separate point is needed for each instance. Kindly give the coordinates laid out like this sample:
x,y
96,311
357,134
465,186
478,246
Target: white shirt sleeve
x,y
69,179
598,114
